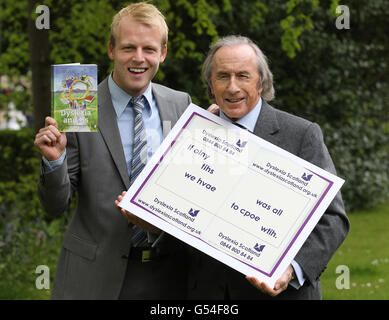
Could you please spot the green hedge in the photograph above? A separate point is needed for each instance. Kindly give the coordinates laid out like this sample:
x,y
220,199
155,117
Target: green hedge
x,y
19,163
27,237
18,156
361,154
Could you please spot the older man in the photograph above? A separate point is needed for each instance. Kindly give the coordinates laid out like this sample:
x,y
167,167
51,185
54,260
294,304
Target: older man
x,y
239,80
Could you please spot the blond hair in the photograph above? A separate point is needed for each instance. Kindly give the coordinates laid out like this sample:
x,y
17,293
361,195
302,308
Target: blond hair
x,y
144,13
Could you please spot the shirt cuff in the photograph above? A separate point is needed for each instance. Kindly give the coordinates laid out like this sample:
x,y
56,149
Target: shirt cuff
x,y
49,166
299,280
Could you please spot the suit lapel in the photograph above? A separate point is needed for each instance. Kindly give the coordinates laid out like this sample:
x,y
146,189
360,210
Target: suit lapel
x,y
267,124
167,112
110,132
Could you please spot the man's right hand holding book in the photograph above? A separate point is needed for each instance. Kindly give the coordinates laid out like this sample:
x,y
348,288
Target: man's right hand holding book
x,y
50,141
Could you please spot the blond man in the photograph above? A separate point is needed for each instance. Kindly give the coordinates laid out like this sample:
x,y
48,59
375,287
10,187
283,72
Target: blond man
x,y
98,259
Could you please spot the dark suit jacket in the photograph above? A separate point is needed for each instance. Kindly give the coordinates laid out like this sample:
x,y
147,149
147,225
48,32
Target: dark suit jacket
x,y
92,262
210,279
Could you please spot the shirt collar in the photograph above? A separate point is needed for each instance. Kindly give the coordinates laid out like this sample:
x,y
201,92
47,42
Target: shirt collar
x,y
249,120
120,98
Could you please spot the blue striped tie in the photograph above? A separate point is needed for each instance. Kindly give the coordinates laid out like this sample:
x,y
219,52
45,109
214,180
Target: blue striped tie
x,y
139,150
139,159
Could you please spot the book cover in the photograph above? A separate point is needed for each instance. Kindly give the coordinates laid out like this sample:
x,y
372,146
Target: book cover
x,y
74,97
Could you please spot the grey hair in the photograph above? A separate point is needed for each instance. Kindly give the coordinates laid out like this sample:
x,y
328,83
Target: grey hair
x,y
265,75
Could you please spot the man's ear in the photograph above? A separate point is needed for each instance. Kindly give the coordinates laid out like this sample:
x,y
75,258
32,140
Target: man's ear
x,y
259,87
163,53
210,93
110,50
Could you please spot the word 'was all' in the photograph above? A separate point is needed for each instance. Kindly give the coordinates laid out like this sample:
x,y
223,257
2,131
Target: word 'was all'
x,y
267,206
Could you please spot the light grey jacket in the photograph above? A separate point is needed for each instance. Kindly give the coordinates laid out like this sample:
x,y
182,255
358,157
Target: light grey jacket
x,y
91,263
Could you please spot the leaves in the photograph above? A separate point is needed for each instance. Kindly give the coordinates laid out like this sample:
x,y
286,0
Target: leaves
x,y
295,23
338,78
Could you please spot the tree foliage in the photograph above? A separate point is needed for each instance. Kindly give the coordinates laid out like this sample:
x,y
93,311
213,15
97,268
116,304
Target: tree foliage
x,y
338,78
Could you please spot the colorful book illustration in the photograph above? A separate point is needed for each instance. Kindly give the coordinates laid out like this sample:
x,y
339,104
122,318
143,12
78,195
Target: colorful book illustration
x,y
74,97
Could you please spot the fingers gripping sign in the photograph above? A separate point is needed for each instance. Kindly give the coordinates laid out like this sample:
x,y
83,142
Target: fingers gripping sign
x,y
50,142
280,285
214,108
133,218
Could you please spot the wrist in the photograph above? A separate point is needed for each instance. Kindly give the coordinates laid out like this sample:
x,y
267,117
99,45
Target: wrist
x,y
53,164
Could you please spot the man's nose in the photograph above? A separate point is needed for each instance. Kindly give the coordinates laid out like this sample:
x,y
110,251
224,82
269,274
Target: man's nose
x,y
233,86
139,57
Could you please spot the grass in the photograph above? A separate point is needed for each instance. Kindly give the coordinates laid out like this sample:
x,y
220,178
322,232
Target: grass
x,y
22,292
365,253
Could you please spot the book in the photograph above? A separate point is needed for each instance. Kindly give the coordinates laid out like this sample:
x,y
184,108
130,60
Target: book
x,y
74,97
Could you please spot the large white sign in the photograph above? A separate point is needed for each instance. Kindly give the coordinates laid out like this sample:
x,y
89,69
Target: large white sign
x,y
231,194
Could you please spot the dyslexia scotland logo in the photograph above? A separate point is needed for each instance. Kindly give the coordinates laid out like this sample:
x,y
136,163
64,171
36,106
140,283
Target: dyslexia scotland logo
x,y
306,176
259,248
241,144
193,213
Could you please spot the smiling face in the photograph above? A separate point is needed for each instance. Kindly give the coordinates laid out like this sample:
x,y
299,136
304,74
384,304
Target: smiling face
x,y
234,80
137,53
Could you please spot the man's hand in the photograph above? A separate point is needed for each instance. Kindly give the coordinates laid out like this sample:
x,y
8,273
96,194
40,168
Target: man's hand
x,y
213,108
50,141
134,219
280,285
